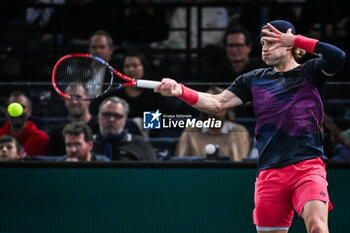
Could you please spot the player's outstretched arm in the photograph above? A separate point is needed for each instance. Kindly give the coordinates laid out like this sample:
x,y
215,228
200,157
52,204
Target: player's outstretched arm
x,y
202,101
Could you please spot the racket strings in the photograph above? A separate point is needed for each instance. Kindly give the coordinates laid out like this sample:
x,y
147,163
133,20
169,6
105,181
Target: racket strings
x,y
94,76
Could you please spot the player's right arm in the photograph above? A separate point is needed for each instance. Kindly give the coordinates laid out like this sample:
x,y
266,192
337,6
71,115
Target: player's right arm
x,y
204,102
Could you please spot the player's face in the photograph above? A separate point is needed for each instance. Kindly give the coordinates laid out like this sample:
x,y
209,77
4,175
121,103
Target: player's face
x,y
77,147
133,67
77,108
99,47
273,57
111,118
8,151
236,47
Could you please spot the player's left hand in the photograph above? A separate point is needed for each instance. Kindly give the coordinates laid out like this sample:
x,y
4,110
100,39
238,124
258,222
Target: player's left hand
x,y
280,39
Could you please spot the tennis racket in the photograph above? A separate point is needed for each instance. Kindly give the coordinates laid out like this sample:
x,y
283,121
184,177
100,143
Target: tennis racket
x,y
94,74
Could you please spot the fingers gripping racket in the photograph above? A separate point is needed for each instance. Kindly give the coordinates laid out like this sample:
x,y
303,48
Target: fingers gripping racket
x,y
92,73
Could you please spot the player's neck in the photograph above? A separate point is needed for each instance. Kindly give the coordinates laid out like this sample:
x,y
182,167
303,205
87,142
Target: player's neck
x,y
286,66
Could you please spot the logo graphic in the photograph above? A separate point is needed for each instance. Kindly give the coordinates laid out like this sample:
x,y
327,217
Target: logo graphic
x,y
151,120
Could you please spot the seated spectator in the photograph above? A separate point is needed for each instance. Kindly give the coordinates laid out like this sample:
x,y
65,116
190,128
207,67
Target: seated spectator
x,y
232,138
237,61
10,148
78,111
135,65
29,136
101,45
238,45
335,145
113,140
79,143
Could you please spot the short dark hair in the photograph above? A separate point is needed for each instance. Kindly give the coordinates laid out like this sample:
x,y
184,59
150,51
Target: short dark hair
x,y
76,128
17,94
144,61
9,138
103,33
73,86
236,29
115,99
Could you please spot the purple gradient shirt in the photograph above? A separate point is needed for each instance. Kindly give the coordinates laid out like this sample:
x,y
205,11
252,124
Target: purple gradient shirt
x,y
289,113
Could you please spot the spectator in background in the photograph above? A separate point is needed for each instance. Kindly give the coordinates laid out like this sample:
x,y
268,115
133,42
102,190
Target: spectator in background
x,y
100,45
41,16
113,140
10,148
78,111
336,147
79,143
135,65
238,45
33,140
232,138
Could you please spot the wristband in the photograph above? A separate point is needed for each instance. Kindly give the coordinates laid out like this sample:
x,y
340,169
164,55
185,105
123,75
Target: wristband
x,y
188,95
308,44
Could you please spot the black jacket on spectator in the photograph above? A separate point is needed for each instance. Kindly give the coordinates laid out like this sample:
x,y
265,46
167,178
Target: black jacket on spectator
x,y
128,147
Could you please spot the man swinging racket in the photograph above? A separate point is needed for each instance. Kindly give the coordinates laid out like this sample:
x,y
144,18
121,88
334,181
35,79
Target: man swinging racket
x,y
289,113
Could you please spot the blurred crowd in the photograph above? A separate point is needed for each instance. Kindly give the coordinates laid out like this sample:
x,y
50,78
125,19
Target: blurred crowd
x,y
150,40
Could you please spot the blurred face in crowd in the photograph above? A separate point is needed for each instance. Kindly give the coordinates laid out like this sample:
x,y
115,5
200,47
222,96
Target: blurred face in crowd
x,y
236,48
77,147
100,47
18,123
133,67
8,151
111,118
77,108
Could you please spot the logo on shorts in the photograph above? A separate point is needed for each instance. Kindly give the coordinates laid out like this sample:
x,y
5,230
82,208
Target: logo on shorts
x,y
151,120
323,193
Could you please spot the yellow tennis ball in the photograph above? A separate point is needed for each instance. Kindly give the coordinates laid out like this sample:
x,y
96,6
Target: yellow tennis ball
x,y
15,109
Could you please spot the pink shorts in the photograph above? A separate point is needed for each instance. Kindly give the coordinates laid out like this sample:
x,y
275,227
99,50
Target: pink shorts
x,y
280,191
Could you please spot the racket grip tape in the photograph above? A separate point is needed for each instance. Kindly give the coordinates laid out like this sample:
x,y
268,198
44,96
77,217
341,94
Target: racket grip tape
x,y
146,84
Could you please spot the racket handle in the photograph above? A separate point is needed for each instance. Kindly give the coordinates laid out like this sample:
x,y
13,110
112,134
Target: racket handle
x,y
146,84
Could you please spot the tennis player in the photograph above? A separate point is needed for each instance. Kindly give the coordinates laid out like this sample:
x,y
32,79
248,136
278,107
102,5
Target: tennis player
x,y
289,113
